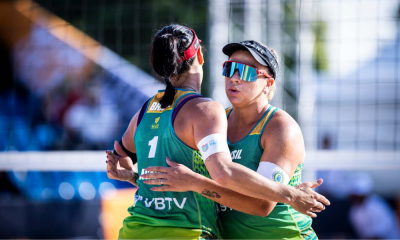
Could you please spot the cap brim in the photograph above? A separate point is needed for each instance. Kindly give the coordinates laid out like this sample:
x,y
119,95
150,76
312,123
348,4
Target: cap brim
x,y
230,48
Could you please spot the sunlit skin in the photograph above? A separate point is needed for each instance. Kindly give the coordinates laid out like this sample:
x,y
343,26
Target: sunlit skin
x,y
283,146
242,93
248,98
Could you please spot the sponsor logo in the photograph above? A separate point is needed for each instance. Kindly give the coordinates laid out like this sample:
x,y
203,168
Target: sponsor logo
x,y
204,147
278,177
222,208
156,125
156,107
236,154
213,142
161,203
145,172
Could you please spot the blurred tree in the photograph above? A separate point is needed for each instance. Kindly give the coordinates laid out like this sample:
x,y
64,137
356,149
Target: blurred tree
x,y
320,61
290,57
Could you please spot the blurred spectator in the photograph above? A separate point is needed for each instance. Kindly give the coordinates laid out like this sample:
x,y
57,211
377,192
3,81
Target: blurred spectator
x,y
93,122
370,215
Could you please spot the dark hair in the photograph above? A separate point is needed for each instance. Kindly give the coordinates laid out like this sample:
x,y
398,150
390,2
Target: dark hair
x,y
166,49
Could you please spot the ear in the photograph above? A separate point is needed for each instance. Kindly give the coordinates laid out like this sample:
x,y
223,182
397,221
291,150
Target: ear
x,y
200,56
270,82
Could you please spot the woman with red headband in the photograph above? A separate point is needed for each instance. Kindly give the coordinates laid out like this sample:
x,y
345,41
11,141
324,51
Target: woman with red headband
x,y
181,124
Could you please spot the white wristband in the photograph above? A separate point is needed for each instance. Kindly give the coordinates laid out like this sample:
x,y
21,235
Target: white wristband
x,y
273,172
211,144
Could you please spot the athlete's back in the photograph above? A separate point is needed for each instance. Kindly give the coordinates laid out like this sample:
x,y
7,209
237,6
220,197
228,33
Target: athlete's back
x,y
185,214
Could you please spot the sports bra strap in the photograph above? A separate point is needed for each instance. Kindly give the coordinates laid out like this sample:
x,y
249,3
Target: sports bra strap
x,y
180,105
142,111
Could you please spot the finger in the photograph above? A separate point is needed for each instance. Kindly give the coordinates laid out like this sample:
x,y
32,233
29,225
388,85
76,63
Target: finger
x,y
161,189
171,163
311,214
158,169
316,210
153,175
119,150
112,158
156,182
111,165
322,199
304,185
316,183
319,205
110,153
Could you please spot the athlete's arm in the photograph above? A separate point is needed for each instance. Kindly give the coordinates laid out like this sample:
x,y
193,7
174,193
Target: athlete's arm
x,y
121,167
239,178
179,178
283,146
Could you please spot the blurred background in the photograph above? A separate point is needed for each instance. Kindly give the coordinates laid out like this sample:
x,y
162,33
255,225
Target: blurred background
x,y
74,72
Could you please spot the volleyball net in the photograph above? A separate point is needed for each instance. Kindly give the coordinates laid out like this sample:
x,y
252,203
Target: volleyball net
x,y
74,73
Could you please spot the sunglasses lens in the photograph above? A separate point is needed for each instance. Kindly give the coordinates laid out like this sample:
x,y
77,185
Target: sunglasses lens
x,y
226,70
246,72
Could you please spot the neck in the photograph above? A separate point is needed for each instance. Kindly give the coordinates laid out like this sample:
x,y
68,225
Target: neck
x,y
188,81
248,115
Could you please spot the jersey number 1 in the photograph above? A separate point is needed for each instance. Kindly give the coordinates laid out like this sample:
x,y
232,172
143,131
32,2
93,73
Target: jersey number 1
x,y
153,147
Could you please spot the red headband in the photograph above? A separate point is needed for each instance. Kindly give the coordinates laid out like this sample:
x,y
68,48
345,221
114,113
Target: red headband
x,y
192,50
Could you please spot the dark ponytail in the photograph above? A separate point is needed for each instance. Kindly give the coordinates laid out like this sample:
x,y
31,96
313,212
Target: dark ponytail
x,y
169,95
166,50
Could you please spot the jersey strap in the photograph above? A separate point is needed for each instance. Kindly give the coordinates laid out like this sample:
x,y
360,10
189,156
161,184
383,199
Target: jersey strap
x,y
180,105
259,129
228,111
142,111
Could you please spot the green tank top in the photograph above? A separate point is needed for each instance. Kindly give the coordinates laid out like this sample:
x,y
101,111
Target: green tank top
x,y
283,222
155,139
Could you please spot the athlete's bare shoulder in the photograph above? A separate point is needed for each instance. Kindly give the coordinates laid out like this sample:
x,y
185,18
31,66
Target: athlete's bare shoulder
x,y
282,124
198,118
203,109
282,130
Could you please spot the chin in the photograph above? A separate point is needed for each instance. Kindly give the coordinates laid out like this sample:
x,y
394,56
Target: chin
x,y
234,100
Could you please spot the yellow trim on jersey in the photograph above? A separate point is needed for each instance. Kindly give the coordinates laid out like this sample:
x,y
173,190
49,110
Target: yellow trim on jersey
x,y
257,130
154,105
228,110
295,222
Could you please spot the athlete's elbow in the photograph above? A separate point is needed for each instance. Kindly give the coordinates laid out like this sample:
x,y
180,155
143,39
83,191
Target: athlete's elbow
x,y
222,177
264,210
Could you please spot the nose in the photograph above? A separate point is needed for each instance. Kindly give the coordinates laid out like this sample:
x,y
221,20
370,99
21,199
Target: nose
x,y
235,76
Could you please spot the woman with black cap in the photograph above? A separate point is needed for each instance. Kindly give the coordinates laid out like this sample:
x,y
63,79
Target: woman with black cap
x,y
181,124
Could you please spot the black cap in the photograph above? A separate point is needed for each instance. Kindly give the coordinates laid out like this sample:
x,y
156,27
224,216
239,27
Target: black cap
x,y
261,53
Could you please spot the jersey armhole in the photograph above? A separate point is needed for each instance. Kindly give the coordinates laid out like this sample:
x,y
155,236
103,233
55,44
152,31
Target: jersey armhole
x,y
175,113
180,105
142,112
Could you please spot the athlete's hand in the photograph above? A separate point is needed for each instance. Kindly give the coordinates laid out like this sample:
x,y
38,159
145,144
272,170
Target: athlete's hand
x,y
120,168
307,201
176,178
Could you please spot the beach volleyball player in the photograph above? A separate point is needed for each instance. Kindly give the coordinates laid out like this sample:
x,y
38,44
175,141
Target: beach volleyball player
x,y
177,123
261,137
